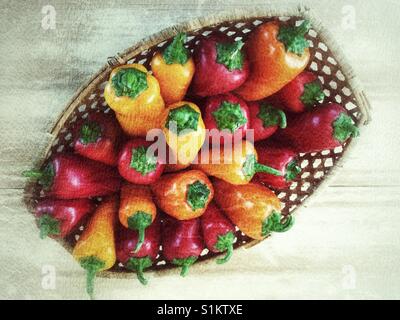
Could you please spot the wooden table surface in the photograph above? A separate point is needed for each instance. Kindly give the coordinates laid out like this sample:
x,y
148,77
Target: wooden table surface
x,y
346,244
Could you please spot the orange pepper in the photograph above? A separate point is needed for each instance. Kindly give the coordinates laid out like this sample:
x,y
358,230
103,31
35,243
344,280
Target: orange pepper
x,y
183,195
134,94
184,130
95,249
277,54
174,70
137,210
252,207
237,166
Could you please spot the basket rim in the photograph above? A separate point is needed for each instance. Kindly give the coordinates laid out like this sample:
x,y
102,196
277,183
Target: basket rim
x,y
209,21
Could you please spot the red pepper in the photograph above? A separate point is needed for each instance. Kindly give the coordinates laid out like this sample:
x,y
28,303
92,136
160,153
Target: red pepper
x,y
228,116
69,176
301,93
282,159
144,258
322,128
138,164
182,242
57,218
97,138
218,232
265,119
221,66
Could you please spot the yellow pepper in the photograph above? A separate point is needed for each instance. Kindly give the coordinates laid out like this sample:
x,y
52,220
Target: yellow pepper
x,y
95,249
134,94
184,130
174,70
237,166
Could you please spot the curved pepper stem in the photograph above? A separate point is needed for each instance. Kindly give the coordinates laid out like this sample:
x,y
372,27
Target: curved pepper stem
x,y
185,263
225,243
92,265
273,223
271,116
251,167
139,221
139,265
292,170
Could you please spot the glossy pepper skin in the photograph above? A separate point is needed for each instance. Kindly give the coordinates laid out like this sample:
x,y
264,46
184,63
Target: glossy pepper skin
x,y
265,119
137,210
277,54
95,249
127,241
58,218
301,93
174,70
183,195
322,128
221,66
252,207
282,159
237,166
69,176
138,164
134,94
182,242
218,232
184,130
97,138
227,118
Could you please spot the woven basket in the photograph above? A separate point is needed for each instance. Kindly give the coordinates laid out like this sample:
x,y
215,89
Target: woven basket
x,y
327,62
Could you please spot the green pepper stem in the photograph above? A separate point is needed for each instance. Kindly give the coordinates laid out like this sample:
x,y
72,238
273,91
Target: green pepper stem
x,y
273,223
48,226
282,118
229,252
90,132
344,128
225,243
92,265
36,174
140,242
43,177
90,276
302,29
292,170
140,275
185,269
185,263
258,167
139,221
138,265
176,52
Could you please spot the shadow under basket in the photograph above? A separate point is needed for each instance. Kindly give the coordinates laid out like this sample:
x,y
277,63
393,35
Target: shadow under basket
x,y
337,77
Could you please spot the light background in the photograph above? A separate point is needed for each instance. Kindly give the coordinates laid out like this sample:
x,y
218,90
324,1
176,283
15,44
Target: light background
x,y
346,244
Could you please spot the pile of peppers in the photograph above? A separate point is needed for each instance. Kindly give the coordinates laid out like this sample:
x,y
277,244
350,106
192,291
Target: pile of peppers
x,y
132,202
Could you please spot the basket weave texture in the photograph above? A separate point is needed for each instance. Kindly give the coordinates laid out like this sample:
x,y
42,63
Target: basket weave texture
x,y
326,61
